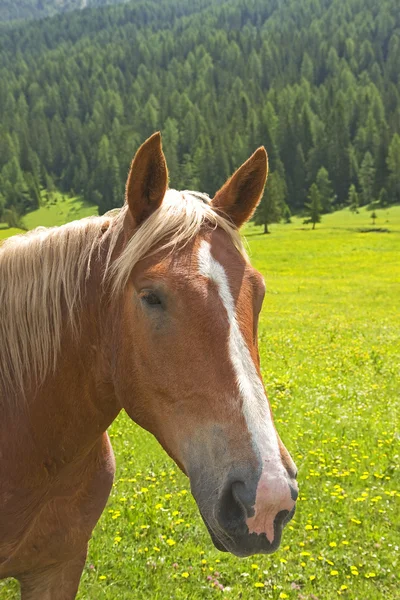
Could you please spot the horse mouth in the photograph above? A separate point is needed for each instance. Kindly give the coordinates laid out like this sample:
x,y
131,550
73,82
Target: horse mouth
x,y
248,544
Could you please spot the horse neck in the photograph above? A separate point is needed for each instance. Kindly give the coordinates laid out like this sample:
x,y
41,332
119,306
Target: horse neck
x,y
70,411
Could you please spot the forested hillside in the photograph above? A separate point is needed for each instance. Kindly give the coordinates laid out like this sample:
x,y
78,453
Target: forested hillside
x,y
37,9
316,81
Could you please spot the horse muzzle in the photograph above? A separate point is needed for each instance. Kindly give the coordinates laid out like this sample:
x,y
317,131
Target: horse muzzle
x,y
248,515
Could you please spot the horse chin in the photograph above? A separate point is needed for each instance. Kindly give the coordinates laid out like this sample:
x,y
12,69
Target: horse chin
x,y
215,540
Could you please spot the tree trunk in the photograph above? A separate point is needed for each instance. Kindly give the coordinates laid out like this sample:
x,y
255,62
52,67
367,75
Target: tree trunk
x,y
313,225
266,228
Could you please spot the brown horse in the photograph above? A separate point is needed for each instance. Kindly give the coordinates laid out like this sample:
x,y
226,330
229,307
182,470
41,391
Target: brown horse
x,y
153,309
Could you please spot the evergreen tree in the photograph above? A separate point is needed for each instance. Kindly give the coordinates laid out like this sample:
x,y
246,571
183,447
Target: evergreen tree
x,y
325,190
353,200
383,200
313,207
393,164
367,178
270,208
286,213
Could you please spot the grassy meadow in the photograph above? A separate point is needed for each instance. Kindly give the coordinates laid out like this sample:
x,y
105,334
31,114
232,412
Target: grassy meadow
x,y
330,350
60,210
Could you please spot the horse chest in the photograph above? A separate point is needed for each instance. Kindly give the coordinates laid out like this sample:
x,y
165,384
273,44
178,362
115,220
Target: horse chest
x,y
46,525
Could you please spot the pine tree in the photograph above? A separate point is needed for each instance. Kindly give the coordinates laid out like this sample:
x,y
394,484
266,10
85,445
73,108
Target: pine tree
x,y
353,199
270,208
313,207
286,213
383,200
325,190
393,164
367,178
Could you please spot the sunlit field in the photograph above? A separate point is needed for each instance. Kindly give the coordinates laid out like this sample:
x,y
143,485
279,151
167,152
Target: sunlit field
x,y
330,351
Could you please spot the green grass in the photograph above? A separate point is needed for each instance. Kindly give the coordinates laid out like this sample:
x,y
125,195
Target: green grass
x,y
329,343
61,210
6,232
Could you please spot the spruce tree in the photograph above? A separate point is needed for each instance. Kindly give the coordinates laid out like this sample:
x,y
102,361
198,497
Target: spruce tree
x,y
270,208
353,199
313,207
367,178
325,190
393,164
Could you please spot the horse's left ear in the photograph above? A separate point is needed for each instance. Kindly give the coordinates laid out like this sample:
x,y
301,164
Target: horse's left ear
x,y
239,196
147,180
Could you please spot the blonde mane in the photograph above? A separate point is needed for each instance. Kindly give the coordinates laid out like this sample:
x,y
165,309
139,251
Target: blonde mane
x,y
44,271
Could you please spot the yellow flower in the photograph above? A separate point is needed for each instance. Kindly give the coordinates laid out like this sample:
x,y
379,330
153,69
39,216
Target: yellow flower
x,y
312,577
333,544
283,595
103,577
333,572
158,506
156,549
185,575
144,490
171,542
259,584
253,566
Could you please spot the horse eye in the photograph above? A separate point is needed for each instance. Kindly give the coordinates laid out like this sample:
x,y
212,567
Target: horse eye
x,y
150,298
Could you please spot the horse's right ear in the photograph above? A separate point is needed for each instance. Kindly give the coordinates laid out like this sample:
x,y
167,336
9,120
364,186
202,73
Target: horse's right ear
x,y
147,181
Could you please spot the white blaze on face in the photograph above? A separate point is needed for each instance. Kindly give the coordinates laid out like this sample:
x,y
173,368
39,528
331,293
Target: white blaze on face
x,y
273,492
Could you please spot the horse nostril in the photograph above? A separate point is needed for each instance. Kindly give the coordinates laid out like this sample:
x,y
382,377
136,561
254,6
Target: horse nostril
x,y
233,509
294,493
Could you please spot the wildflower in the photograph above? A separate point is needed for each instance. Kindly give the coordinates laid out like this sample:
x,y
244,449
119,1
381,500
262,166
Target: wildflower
x,y
102,577
259,584
185,575
334,573
170,542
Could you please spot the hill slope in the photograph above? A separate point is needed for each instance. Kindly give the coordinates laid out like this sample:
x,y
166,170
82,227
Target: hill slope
x,y
316,81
